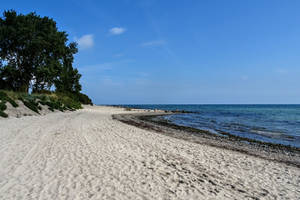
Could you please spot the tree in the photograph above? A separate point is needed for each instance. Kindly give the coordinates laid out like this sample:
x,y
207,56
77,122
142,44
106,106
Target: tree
x,y
33,53
68,79
33,50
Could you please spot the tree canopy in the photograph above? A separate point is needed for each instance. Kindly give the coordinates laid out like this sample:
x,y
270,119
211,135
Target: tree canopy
x,y
35,54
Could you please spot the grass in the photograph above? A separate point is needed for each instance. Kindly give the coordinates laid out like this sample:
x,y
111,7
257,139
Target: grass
x,y
31,104
3,99
3,114
54,101
2,108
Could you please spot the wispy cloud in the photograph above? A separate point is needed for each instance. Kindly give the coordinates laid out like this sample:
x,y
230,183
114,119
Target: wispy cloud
x,y
118,55
85,42
109,81
117,31
107,66
281,71
154,43
97,67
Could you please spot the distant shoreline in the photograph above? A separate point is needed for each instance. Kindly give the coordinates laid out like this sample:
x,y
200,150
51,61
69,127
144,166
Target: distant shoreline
x,y
263,123
269,151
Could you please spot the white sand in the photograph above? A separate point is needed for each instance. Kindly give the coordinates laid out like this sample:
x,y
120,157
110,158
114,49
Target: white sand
x,y
87,155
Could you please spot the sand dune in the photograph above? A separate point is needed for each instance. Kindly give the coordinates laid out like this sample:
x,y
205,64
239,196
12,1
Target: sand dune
x,y
88,155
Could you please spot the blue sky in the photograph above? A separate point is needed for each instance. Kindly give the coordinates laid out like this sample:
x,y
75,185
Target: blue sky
x,y
174,51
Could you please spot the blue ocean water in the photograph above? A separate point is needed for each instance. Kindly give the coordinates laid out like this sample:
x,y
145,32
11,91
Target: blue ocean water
x,y
269,123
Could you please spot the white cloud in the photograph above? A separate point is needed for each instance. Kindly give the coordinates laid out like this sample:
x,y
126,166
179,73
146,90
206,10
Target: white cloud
x,y
85,42
154,43
117,31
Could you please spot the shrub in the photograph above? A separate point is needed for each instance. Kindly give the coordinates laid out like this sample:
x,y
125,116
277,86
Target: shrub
x,y
84,99
54,100
41,97
4,98
3,114
68,101
2,106
12,102
31,105
2,95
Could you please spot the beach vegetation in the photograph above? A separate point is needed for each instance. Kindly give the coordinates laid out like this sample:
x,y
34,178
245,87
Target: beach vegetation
x,y
3,114
127,109
4,98
35,101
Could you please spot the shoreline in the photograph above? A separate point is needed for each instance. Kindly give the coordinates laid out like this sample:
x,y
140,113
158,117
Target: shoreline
x,y
192,129
274,152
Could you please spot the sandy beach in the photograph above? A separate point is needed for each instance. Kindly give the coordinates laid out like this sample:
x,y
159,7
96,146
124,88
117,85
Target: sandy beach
x,y
88,155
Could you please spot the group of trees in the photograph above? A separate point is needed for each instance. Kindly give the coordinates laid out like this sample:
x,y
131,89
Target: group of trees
x,y
35,55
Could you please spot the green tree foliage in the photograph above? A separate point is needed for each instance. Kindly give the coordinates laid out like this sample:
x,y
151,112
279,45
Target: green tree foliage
x,y
35,54
32,47
83,98
69,77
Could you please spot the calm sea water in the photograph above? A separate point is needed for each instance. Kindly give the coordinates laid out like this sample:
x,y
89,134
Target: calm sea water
x,y
269,123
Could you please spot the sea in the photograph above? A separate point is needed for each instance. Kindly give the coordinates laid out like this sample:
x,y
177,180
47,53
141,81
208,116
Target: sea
x,y
279,124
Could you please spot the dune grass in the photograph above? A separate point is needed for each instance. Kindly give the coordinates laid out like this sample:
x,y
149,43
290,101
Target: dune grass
x,y
54,101
3,99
